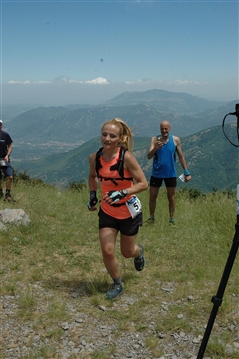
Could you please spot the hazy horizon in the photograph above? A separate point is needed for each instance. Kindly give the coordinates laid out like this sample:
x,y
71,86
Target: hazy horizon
x,y
59,52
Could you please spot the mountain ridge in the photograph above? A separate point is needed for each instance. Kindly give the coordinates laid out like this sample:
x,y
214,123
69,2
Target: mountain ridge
x,y
163,100
70,133
206,152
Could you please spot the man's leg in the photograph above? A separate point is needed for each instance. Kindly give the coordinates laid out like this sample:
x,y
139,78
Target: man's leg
x,y
9,183
1,174
1,182
8,196
153,194
171,200
1,192
9,178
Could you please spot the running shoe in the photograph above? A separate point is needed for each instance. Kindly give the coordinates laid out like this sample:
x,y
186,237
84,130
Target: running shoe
x,y
150,220
115,291
8,198
139,261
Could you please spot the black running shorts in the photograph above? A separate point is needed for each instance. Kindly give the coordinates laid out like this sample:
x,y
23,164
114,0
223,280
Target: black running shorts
x,y
157,182
128,226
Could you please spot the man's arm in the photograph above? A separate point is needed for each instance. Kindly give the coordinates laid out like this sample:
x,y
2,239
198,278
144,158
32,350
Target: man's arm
x,y
9,151
182,158
154,146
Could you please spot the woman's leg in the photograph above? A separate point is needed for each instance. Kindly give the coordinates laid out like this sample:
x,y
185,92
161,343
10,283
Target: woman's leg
x,y
107,242
128,247
131,250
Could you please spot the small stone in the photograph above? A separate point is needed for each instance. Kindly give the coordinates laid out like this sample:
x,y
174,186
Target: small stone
x,y
65,325
102,307
180,316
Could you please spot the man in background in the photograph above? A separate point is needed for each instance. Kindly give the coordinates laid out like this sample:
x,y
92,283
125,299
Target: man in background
x,y
163,148
5,151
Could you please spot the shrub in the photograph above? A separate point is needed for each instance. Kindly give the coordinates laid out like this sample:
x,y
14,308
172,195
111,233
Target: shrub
x,y
77,186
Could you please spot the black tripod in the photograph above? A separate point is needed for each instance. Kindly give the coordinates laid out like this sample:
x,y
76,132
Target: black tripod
x,y
217,299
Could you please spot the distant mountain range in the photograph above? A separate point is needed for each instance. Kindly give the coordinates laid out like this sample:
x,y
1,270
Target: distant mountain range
x,y
178,102
60,139
46,130
212,160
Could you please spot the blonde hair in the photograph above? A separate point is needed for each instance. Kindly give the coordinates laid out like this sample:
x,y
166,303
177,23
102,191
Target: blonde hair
x,y
126,137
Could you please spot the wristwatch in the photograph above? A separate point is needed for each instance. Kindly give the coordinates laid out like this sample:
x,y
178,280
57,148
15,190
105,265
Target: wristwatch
x,y
124,193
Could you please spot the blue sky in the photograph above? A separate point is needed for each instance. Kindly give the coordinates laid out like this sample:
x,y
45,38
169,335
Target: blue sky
x,y
62,52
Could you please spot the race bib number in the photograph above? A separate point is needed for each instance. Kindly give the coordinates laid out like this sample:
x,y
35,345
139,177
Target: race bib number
x,y
134,206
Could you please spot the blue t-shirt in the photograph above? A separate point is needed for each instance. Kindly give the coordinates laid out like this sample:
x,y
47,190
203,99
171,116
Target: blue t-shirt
x,y
164,160
5,141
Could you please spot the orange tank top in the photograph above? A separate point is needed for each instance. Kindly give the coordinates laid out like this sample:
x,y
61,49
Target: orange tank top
x,y
111,181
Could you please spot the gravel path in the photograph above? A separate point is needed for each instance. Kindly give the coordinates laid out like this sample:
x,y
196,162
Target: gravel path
x,y
84,334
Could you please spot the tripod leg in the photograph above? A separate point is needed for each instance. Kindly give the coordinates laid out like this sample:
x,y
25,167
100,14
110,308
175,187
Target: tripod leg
x,y
217,299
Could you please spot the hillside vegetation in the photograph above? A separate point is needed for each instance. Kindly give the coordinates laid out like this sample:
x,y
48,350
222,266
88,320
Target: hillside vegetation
x,y
54,143
52,271
211,159
43,131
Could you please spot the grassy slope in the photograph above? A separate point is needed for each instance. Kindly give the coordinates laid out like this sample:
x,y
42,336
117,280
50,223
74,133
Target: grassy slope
x,y
60,250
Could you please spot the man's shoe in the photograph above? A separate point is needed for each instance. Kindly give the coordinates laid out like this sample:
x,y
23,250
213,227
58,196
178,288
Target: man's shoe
x,y
171,220
8,198
115,291
1,193
150,220
139,261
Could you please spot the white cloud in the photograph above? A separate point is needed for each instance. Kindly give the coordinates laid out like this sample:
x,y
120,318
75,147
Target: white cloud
x,y
103,81
14,82
27,82
63,91
98,81
61,80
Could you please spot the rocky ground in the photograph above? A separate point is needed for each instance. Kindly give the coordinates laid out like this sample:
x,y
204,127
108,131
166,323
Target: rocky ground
x,y
89,332
92,330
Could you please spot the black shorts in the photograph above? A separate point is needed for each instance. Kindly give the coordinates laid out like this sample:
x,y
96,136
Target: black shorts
x,y
128,226
157,182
